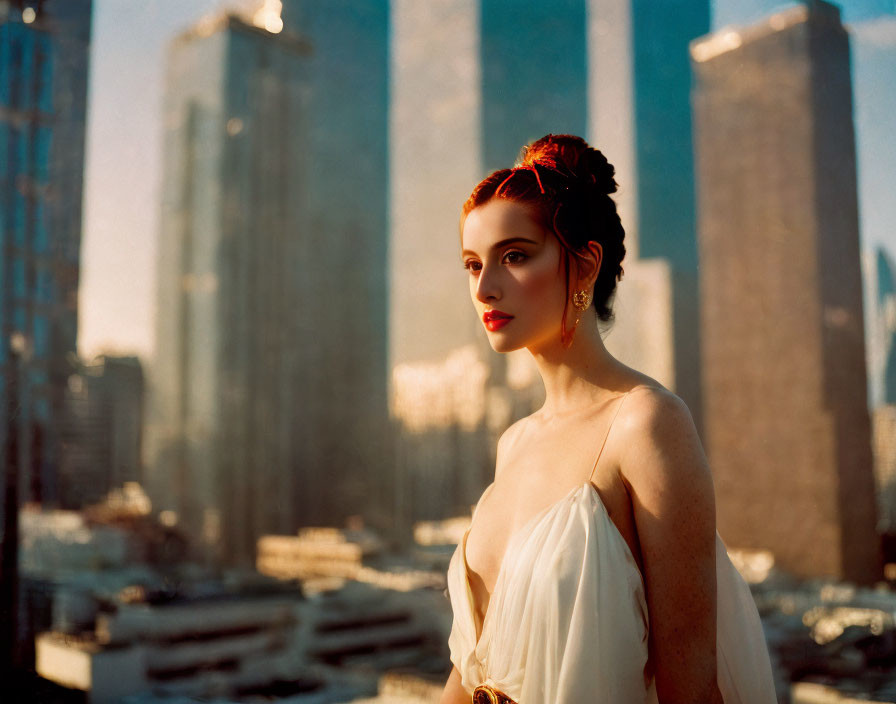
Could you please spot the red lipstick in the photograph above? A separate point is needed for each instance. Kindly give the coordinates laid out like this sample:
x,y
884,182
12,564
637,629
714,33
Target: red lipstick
x,y
496,319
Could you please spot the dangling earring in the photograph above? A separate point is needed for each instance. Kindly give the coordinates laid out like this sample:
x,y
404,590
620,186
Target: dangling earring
x,y
580,300
581,303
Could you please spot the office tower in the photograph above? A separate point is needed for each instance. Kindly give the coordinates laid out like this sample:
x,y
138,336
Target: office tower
x,y
347,200
44,51
781,295
270,299
104,430
872,36
879,274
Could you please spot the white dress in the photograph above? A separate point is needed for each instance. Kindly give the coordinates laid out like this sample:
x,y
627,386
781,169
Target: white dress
x,y
567,622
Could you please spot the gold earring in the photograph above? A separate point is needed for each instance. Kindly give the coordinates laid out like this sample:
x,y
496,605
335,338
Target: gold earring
x,y
580,301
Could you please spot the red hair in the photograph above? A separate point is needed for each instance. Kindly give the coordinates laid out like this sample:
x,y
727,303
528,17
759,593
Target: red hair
x,y
566,185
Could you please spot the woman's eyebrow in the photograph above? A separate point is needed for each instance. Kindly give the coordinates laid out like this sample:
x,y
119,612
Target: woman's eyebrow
x,y
502,243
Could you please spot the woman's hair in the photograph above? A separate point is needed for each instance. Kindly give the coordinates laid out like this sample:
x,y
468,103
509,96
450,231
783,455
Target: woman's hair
x,y
567,186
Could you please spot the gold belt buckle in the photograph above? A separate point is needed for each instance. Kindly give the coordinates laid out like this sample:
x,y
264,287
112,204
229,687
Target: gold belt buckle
x,y
483,694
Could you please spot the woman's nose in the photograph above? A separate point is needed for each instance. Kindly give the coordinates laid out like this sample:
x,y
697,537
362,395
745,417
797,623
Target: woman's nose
x,y
487,288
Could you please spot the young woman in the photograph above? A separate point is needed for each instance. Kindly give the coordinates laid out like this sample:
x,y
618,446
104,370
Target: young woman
x,y
592,570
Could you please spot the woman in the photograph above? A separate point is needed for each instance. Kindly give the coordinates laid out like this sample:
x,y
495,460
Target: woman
x,y
611,587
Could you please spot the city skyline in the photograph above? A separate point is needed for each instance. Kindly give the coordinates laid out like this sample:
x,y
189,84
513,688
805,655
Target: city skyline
x,y
124,130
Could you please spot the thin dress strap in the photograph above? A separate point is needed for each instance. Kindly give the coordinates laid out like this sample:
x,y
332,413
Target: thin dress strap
x,y
618,406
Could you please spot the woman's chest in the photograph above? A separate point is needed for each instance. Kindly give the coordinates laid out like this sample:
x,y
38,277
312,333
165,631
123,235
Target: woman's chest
x,y
511,504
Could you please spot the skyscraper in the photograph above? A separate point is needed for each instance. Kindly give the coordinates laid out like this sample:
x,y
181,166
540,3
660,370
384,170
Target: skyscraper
x,y
879,274
783,346
44,51
103,436
269,380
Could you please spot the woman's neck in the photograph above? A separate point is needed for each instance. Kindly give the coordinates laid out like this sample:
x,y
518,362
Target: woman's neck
x,y
577,377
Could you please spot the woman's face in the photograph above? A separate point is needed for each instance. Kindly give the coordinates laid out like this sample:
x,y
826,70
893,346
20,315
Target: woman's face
x,y
515,269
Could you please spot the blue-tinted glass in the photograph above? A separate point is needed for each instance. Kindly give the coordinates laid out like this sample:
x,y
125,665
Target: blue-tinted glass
x,y
41,336
43,137
18,277
18,318
45,84
24,152
41,408
4,180
11,147
23,137
18,219
44,284
26,72
5,70
4,151
40,241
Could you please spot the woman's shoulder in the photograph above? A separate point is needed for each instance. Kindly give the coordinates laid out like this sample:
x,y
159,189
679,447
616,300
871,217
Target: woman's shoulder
x,y
657,435
650,402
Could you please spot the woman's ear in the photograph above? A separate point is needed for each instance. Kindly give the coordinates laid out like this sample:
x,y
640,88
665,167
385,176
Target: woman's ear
x,y
589,264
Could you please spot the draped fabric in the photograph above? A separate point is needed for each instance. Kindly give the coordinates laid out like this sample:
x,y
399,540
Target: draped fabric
x,y
567,622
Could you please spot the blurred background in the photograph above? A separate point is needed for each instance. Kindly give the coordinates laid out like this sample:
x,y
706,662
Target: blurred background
x,y
246,404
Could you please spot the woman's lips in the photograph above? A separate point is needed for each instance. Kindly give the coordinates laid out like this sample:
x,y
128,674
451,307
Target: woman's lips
x,y
495,319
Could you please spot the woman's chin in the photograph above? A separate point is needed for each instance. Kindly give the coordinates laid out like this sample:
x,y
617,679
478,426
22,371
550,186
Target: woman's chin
x,y
502,344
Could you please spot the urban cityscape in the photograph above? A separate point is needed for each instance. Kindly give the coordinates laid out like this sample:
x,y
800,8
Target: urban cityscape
x,y
248,408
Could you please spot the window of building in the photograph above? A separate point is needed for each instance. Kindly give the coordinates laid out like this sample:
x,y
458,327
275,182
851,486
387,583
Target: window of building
x,y
42,138
44,284
4,151
5,71
19,219
41,408
45,84
41,240
41,336
25,71
18,277
23,139
18,317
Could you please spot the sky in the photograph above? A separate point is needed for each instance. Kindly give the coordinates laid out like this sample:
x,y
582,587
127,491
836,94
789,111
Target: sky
x,y
124,147
123,168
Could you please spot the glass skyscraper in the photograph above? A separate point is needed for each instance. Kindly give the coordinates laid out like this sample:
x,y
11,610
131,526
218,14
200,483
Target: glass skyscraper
x,y
43,84
269,379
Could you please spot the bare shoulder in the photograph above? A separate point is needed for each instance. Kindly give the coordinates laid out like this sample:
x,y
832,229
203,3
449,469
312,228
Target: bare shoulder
x,y
661,459
655,420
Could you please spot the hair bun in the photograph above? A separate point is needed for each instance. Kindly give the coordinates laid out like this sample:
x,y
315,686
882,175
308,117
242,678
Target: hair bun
x,y
566,152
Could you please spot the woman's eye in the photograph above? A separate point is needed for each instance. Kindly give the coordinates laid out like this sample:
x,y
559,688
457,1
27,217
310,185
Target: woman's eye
x,y
517,257
471,265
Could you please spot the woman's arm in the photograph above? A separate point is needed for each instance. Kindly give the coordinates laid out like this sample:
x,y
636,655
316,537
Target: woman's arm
x,y
454,693
673,499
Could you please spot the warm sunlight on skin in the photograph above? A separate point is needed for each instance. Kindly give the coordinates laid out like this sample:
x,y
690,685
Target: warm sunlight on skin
x,y
515,268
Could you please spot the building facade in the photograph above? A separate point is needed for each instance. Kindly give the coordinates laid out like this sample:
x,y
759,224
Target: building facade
x,y
103,434
784,386
44,52
269,378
